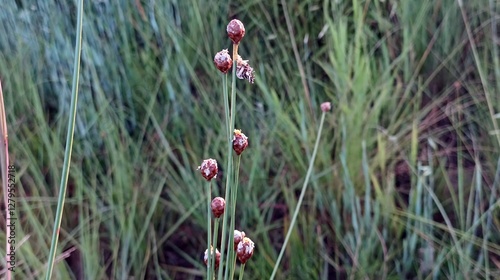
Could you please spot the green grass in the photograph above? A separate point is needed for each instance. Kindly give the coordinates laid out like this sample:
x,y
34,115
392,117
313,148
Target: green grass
x,y
406,179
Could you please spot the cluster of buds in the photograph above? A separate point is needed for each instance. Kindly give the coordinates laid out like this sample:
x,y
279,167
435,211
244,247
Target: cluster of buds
x,y
222,60
238,237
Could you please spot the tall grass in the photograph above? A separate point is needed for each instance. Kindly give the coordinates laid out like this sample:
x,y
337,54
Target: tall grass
x,y
405,184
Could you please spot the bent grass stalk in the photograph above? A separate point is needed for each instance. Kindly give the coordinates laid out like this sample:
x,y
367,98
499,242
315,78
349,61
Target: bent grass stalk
x,y
69,143
301,197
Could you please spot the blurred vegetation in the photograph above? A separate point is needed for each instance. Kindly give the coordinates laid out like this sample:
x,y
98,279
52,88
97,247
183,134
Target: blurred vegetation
x,y
406,180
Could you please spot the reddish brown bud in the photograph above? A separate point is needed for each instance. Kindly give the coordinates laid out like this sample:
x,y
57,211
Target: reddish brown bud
x,y
244,71
245,250
217,256
235,31
208,169
240,141
326,106
238,237
218,205
223,61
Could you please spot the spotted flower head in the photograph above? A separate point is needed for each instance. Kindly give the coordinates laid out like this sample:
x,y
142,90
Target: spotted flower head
x,y
208,169
240,141
223,61
235,31
245,248
238,237
217,256
218,205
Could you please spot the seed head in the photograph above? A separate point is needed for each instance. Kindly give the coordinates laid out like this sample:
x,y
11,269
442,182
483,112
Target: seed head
x,y
235,31
238,237
208,169
244,71
240,141
223,61
245,248
218,205
217,256
326,106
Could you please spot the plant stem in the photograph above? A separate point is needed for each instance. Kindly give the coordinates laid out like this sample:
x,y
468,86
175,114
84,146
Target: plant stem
x,y
4,152
229,154
216,231
209,231
230,252
301,197
241,271
69,143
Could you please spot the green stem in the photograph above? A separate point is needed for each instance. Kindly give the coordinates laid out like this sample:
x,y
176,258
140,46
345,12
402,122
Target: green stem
x,y
209,231
216,231
229,118
69,143
230,252
241,271
301,198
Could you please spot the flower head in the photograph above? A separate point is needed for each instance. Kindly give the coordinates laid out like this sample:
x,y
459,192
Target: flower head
x,y
217,256
235,31
218,205
244,71
238,237
326,106
208,169
245,248
240,141
223,61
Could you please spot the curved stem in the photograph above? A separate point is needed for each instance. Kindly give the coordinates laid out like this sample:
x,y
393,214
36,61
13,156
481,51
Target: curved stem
x,y
301,198
69,143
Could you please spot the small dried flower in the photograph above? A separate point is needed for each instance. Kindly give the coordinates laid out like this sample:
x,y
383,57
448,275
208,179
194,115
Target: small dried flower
x,y
244,71
208,169
326,106
217,256
238,237
218,205
245,248
235,31
240,141
223,61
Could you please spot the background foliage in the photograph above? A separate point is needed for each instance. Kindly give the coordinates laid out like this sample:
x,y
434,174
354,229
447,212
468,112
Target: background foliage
x,y
406,179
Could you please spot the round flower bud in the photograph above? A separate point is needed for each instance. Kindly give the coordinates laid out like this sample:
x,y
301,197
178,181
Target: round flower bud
x,y
235,30
218,204
217,256
240,142
245,248
238,237
208,169
223,61
326,106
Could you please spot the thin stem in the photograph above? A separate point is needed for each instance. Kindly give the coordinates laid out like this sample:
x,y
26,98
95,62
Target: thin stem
x,y
229,118
230,252
209,231
301,197
241,271
4,151
69,143
216,231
